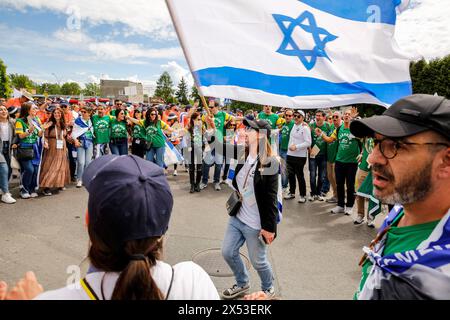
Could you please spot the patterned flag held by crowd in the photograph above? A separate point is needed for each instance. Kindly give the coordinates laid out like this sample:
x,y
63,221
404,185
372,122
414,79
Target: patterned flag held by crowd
x,y
308,53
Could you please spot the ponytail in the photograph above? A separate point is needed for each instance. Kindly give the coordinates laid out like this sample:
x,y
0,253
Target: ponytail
x,y
136,282
134,262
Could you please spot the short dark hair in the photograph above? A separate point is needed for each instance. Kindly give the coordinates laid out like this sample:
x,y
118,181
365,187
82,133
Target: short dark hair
x,y
321,112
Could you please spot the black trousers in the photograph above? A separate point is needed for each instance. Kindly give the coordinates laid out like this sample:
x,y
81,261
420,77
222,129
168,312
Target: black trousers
x,y
138,149
345,176
72,161
195,173
295,166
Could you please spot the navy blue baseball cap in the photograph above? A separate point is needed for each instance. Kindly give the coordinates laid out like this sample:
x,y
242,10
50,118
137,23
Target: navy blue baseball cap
x,y
129,199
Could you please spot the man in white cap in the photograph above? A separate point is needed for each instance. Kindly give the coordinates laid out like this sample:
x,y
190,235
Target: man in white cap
x,y
17,102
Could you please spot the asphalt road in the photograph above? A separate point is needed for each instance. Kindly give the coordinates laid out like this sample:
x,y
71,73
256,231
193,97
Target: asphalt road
x,y
314,257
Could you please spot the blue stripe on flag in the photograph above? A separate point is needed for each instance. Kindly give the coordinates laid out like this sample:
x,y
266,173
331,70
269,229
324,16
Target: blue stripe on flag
x,y
299,86
358,10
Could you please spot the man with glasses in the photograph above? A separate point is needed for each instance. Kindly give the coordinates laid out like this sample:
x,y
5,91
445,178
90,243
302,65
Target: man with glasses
x,y
318,164
332,149
410,257
299,142
346,162
284,146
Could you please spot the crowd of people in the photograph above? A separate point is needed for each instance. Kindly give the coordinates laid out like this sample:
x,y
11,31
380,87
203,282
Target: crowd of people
x,y
53,141
270,151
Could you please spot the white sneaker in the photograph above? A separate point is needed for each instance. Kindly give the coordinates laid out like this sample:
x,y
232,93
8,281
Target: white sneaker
x,y
319,198
270,293
7,198
79,184
25,195
337,209
348,211
302,200
289,196
285,190
359,220
217,187
175,173
34,195
370,222
203,186
311,198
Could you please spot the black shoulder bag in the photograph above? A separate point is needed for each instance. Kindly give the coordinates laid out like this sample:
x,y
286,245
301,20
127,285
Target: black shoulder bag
x,y
234,202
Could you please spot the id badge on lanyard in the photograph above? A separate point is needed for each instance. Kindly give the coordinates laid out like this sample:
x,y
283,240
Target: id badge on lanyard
x,y
59,143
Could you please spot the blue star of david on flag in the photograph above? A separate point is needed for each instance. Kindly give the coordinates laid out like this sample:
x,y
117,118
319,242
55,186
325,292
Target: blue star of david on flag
x,y
308,23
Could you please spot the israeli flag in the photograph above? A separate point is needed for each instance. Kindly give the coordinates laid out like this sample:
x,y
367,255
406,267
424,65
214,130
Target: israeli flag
x,y
294,53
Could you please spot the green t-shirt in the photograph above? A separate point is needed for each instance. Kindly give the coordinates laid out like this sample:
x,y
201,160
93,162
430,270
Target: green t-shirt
x,y
332,148
22,126
138,132
286,134
318,140
367,149
272,119
102,128
118,129
348,149
399,239
155,134
219,121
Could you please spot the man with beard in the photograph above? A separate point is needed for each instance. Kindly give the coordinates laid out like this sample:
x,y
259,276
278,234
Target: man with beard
x,y
410,257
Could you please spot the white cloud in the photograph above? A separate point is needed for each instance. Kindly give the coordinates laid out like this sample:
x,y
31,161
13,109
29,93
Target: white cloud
x,y
76,46
177,72
144,17
424,29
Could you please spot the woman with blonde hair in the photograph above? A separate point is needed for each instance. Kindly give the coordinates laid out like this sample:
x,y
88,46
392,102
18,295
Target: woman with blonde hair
x,y
254,222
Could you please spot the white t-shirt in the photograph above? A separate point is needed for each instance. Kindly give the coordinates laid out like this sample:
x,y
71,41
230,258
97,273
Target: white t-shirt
x,y
4,131
249,213
190,282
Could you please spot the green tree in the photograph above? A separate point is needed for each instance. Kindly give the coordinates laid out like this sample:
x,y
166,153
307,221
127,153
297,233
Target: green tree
x,y
21,81
92,89
195,95
50,88
5,82
182,92
164,87
70,89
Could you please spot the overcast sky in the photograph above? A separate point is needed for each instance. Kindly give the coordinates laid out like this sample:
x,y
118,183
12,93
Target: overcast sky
x,y
85,40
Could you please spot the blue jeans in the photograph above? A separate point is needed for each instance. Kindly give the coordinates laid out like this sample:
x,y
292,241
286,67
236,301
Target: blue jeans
x,y
120,149
156,155
4,170
237,233
212,159
29,176
318,164
84,159
284,175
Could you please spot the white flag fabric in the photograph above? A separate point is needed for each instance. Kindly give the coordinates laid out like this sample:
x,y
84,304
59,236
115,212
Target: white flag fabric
x,y
291,53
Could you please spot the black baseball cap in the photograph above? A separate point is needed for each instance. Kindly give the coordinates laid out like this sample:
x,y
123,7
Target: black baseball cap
x,y
408,116
129,199
258,125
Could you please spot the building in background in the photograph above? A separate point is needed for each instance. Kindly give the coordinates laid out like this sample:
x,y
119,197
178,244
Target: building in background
x,y
124,90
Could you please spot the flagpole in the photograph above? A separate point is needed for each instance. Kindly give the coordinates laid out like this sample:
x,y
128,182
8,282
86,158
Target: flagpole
x,y
202,97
